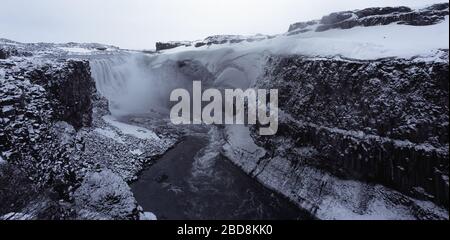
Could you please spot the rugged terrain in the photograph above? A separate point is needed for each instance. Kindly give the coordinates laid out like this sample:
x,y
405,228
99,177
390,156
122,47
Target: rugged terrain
x,y
58,149
363,110
366,122
363,101
381,121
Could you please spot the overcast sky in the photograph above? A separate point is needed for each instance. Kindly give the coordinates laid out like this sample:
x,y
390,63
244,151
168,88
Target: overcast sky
x,y
139,24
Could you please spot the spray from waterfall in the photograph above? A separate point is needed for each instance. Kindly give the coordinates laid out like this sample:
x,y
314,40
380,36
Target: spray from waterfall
x,y
137,83
132,85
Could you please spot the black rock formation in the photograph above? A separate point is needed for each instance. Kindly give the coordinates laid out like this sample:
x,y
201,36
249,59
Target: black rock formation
x,y
376,16
383,121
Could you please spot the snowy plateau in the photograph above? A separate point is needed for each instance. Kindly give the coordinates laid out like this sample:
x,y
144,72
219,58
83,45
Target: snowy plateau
x,y
363,120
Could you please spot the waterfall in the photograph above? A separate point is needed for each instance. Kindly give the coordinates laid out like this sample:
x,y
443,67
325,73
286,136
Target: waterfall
x,y
136,83
132,85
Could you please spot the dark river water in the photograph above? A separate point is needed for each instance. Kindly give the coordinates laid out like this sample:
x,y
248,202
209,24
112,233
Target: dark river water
x,y
194,181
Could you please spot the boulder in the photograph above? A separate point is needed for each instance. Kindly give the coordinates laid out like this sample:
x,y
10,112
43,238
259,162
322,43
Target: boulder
x,y
104,195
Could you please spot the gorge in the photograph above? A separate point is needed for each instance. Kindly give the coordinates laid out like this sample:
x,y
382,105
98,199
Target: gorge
x,y
362,125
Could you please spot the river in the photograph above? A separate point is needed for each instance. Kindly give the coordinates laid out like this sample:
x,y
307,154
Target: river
x,y
194,181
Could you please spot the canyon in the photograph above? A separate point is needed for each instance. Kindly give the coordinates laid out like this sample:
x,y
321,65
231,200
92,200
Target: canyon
x,y
362,125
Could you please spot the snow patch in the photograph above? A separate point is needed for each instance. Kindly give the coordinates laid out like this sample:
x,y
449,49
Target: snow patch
x,y
135,131
137,152
16,216
109,134
365,43
147,216
78,50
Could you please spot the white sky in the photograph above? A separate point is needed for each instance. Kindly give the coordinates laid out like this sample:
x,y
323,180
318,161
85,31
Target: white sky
x,y
139,24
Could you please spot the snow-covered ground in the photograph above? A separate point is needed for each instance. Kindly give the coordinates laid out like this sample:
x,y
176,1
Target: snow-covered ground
x,y
109,133
365,43
76,50
132,130
125,147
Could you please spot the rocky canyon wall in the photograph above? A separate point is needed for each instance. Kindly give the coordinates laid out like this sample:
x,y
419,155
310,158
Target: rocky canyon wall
x,y
383,121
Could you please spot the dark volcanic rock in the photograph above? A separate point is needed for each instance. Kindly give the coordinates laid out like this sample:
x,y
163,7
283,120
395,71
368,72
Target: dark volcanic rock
x,y
69,87
169,45
35,100
46,113
4,54
73,87
438,7
398,99
381,11
9,51
383,121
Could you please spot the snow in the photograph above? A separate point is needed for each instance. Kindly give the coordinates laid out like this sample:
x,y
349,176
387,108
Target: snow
x,y
8,108
110,134
375,42
16,216
238,65
135,131
240,147
78,50
365,43
361,135
341,204
147,216
136,152
2,161
328,196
